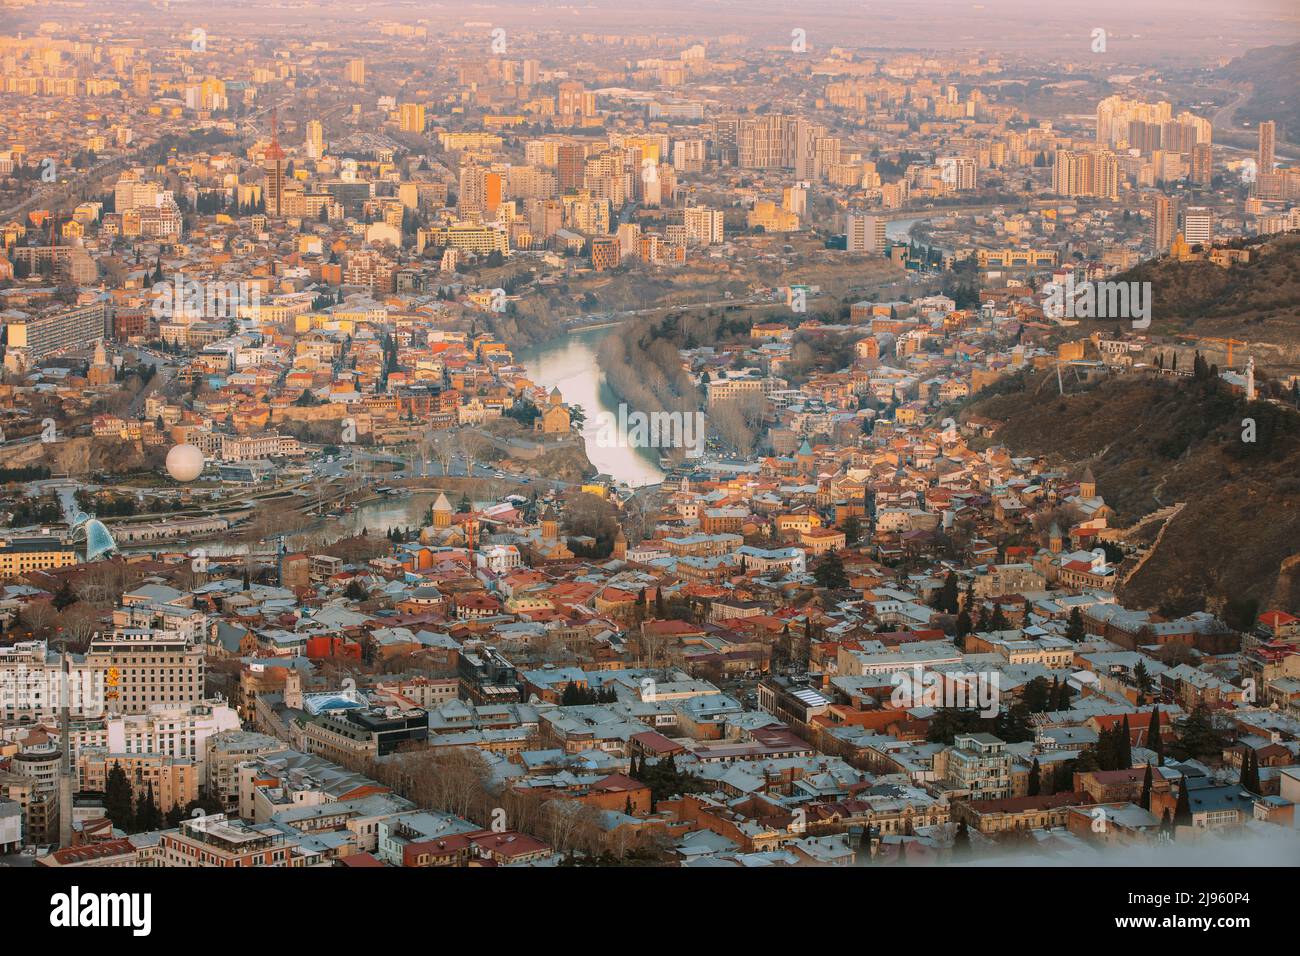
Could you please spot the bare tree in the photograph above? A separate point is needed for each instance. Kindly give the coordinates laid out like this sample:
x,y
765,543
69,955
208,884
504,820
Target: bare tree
x,y
442,448
473,446
39,615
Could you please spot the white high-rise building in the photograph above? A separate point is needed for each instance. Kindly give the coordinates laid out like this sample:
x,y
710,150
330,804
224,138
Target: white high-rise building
x,y
958,171
865,233
1198,225
703,225
315,144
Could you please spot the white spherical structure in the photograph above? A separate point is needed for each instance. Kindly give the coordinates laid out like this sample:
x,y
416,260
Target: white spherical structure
x,y
184,462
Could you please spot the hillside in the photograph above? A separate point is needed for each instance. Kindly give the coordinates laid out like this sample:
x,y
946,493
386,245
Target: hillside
x,y
1272,72
1152,443
1258,301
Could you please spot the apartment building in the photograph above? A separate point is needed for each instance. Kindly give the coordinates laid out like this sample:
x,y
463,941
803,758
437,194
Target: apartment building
x,y
979,764
147,667
216,840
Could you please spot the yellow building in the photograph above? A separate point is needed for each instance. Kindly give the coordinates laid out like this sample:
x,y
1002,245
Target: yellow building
x,y
23,555
771,217
173,780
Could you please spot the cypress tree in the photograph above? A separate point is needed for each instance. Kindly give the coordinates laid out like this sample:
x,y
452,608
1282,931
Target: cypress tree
x,y
1125,747
147,815
1250,771
1074,630
1183,811
1035,779
117,797
1157,741
1146,789
961,840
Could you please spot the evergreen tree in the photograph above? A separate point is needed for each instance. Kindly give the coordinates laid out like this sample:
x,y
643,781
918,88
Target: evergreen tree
x,y
961,841
946,599
1074,627
852,529
1037,697
1145,801
963,626
1156,738
1250,770
829,572
1125,748
1183,811
1106,750
999,620
1199,737
147,815
64,597
174,816
1035,779
1142,679
1012,724
117,797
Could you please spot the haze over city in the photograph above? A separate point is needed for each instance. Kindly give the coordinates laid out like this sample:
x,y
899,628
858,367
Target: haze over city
x,y
682,435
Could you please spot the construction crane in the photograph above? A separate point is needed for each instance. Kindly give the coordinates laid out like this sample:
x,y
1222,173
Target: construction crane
x,y
1230,343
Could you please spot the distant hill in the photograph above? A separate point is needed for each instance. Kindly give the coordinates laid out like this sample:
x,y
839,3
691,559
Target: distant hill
x,y
1153,442
1274,75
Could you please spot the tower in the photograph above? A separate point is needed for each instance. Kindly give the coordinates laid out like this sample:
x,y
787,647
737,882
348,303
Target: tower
x,y
273,159
550,526
1087,485
1164,221
293,689
442,512
1055,540
101,370
620,545
1267,133
1250,379
65,757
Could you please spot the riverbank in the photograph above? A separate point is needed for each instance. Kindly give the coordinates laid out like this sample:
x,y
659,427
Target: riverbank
x,y
571,364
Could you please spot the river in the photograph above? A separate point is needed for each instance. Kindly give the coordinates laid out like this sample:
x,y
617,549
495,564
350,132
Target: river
x,y
570,365
900,230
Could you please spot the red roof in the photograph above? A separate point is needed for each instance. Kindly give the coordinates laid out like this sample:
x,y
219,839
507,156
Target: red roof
x,y
618,782
1277,618
93,851
655,742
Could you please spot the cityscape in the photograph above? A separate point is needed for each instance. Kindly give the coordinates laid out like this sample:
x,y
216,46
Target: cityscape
x,y
711,435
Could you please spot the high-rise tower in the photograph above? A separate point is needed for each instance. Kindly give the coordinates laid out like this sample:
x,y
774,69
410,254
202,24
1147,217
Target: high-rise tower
x,y
273,162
